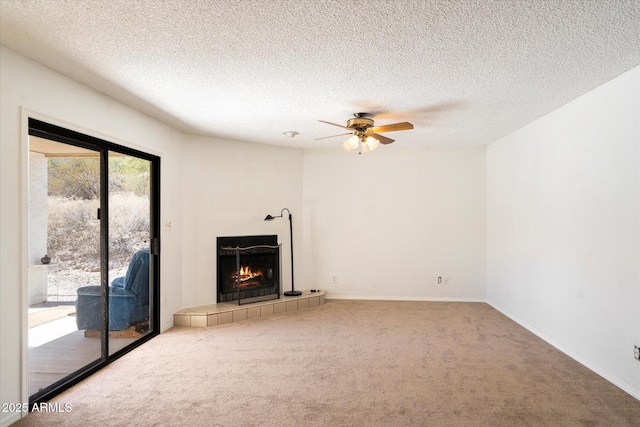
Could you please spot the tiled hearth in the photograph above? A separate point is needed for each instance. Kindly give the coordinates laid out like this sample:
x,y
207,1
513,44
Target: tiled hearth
x,y
227,312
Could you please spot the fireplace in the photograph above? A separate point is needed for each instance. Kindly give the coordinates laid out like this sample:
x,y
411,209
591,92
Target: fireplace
x,y
248,268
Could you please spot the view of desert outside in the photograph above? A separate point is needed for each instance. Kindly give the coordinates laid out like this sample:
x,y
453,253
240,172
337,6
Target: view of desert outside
x,y
73,228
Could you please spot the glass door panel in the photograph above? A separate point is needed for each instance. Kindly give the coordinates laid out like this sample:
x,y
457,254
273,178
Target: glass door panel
x,y
64,261
129,204
93,218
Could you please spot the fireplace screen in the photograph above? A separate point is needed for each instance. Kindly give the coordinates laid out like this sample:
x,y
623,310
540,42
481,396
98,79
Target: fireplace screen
x,y
248,268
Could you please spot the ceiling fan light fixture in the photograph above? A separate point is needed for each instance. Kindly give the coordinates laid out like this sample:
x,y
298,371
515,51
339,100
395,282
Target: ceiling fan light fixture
x,y
353,141
371,143
364,136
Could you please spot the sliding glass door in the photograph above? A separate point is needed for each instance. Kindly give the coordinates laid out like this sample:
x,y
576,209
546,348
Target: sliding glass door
x,y
64,246
94,255
130,242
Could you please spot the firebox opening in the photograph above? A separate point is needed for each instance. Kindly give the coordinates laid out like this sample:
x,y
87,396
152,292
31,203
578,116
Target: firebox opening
x,y
248,268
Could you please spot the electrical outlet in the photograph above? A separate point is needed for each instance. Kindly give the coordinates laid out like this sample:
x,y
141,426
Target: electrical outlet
x,y
334,279
636,352
439,280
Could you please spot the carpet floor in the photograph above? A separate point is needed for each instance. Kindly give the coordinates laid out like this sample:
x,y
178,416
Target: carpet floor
x,y
348,363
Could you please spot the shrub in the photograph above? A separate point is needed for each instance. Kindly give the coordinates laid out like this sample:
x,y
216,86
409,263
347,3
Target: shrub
x,y
74,178
74,230
129,226
79,178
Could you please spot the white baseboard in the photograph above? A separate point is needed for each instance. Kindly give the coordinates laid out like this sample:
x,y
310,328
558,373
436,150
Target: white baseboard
x,y
589,365
166,327
13,418
403,298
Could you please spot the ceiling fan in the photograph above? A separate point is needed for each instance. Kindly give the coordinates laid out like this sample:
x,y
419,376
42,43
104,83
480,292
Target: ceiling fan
x,y
364,134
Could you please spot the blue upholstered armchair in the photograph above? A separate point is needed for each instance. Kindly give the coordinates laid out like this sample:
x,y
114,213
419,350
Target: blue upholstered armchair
x,y
128,298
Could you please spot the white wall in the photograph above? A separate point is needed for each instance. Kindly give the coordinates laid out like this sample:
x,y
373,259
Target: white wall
x,y
563,228
38,215
28,85
230,187
387,223
38,218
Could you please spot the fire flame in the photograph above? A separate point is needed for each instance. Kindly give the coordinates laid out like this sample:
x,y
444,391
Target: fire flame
x,y
246,273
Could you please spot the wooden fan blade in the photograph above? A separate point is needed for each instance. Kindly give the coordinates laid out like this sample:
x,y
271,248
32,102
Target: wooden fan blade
x,y
382,139
333,124
390,128
333,136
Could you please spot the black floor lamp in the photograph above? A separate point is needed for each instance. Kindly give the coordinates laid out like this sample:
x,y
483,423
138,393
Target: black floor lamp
x,y
292,292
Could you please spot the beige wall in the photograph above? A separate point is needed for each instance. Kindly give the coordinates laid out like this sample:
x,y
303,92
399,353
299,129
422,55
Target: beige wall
x,y
386,224
563,233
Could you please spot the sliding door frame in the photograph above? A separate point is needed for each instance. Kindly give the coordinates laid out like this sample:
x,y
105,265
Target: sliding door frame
x,y
46,130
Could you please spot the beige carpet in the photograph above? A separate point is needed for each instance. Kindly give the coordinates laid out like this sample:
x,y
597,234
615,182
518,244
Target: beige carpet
x,y
348,363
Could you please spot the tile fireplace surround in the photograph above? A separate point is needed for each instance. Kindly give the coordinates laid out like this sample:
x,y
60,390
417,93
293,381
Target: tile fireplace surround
x,y
227,312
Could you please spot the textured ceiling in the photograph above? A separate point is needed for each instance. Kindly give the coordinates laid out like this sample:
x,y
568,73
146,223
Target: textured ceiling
x,y
464,72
